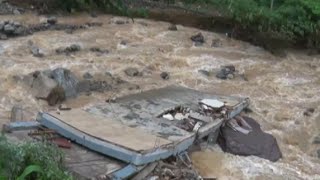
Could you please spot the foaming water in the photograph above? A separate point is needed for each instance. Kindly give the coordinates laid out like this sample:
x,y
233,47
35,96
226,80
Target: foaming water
x,y
280,89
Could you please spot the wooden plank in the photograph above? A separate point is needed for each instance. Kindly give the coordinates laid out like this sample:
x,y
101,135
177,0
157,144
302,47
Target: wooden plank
x,y
110,130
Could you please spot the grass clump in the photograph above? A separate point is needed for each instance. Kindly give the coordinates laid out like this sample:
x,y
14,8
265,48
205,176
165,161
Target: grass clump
x,y
31,160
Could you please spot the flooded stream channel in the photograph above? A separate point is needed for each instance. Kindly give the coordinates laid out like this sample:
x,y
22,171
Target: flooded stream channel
x,y
280,89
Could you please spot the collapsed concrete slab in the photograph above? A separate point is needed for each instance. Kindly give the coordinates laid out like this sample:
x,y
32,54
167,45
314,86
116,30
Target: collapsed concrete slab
x,y
133,130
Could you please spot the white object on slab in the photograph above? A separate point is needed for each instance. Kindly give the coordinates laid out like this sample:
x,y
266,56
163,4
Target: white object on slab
x,y
212,103
197,126
168,116
179,116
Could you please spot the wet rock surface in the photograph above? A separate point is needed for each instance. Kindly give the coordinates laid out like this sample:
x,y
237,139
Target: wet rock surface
x,y
308,112
70,49
132,72
67,80
226,72
198,39
316,139
173,27
87,75
12,28
165,75
52,20
256,143
216,43
44,87
205,72
99,50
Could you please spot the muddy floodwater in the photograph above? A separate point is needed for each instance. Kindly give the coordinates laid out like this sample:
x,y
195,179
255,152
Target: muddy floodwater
x,y
280,89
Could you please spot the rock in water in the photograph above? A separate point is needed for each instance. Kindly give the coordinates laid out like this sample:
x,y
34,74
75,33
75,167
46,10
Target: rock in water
x,y
216,43
56,96
8,28
226,72
67,80
165,75
198,38
52,20
36,51
42,85
256,143
73,48
173,27
1,25
87,75
132,72
204,72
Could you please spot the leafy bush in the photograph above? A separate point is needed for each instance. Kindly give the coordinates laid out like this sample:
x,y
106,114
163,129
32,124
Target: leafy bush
x,y
296,20
28,158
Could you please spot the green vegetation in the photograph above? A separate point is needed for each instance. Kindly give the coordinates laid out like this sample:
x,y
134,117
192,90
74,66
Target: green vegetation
x,y
31,160
294,20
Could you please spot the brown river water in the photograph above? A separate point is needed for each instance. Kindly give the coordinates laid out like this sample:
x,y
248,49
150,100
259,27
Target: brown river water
x,y
280,89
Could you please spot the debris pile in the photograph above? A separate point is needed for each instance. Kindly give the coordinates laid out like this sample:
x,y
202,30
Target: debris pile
x,y
191,120
47,135
174,168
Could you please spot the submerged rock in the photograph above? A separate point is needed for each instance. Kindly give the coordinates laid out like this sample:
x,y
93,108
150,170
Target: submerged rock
x,y
12,28
87,75
132,72
316,140
165,75
70,49
99,50
216,43
198,39
52,20
204,72
256,143
226,72
308,112
173,27
37,52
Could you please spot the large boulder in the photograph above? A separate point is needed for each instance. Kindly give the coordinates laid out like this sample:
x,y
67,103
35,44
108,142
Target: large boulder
x,y
256,143
67,80
43,87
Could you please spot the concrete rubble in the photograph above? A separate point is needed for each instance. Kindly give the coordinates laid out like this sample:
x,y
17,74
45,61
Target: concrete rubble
x,y
142,136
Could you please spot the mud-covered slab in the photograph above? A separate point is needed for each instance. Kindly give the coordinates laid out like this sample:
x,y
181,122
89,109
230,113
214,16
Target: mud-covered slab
x,y
110,131
133,129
